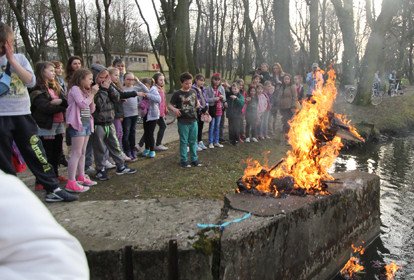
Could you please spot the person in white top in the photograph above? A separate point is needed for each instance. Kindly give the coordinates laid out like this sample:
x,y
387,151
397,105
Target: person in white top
x,y
32,244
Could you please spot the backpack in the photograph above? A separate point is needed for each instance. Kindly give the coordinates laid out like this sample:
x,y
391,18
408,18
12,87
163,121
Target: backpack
x,y
143,106
5,80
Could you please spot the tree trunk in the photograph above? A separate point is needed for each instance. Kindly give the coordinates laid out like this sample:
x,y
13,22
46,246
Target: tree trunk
x,y
189,53
247,62
346,23
368,13
221,43
177,26
410,62
196,37
314,30
104,38
60,31
154,50
373,56
24,33
283,38
323,24
165,33
249,27
85,38
107,38
76,36
229,51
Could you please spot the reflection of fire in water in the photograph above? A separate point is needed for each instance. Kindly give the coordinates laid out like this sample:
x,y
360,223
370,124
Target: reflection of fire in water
x,y
353,265
390,270
315,136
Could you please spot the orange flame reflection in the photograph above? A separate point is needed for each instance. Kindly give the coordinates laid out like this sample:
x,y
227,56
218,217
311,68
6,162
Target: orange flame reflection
x,y
310,157
390,270
351,267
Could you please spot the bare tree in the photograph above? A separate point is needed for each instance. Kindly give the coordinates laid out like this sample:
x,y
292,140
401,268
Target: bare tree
x,y
60,31
76,36
154,50
283,38
374,50
104,38
314,30
344,12
24,33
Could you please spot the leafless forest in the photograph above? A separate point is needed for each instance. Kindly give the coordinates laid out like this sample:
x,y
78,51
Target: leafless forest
x,y
228,36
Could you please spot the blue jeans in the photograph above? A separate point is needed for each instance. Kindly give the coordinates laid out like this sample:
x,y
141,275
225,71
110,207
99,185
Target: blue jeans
x,y
188,138
214,130
128,140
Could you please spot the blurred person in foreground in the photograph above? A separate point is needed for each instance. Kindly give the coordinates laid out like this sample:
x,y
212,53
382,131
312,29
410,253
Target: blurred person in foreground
x,y
33,245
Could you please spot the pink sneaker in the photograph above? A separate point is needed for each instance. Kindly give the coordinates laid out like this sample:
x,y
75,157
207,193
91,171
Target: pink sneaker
x,y
85,181
73,186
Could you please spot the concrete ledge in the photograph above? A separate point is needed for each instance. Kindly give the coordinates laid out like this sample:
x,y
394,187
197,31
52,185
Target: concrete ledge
x,y
106,228
293,238
311,241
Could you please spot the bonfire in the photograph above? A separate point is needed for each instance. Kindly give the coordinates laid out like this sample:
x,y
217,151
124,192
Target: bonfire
x,y
315,139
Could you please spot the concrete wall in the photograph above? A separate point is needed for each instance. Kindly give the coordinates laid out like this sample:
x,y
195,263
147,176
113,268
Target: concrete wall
x,y
308,241
294,238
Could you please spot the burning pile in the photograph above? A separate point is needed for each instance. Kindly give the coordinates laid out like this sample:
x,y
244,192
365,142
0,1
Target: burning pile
x,y
315,137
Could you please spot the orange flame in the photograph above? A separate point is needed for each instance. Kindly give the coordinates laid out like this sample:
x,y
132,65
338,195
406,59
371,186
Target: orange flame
x,y
351,267
390,270
310,158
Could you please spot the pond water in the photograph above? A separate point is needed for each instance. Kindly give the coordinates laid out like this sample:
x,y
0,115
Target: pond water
x,y
392,159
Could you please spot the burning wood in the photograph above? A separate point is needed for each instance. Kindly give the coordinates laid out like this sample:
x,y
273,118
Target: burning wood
x,y
315,137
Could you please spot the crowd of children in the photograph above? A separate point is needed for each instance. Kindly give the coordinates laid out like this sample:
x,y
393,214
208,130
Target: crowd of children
x,y
98,108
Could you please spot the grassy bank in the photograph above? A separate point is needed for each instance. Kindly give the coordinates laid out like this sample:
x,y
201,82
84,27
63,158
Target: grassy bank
x,y
395,114
163,177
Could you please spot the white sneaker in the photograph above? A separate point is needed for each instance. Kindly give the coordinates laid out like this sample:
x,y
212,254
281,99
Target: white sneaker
x,y
201,145
199,149
255,140
109,165
247,140
218,145
125,157
211,146
139,148
160,148
188,149
90,170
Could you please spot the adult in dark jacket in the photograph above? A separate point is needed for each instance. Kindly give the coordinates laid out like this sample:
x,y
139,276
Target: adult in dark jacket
x,y
48,106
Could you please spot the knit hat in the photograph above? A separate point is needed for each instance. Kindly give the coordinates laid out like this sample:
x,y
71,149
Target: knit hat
x,y
96,70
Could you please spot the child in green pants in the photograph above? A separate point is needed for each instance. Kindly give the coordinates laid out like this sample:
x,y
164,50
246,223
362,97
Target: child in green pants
x,y
184,104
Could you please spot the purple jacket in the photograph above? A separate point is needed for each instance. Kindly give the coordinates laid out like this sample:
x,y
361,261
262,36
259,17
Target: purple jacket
x,y
77,100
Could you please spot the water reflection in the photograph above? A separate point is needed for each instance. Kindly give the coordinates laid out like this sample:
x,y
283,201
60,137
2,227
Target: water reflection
x,y
392,160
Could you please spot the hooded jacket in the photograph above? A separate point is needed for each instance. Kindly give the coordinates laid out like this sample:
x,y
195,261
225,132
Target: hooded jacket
x,y
105,99
41,108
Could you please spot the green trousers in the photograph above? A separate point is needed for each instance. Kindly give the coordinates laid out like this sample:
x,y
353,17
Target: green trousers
x,y
188,138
